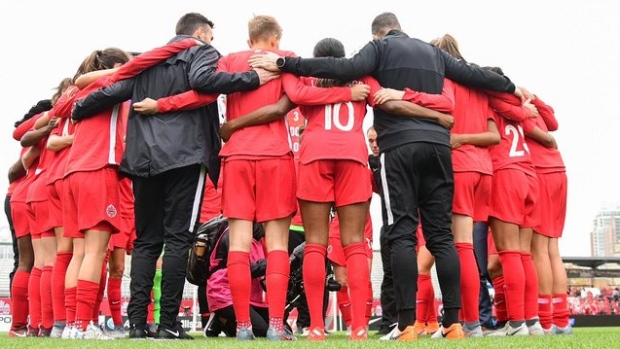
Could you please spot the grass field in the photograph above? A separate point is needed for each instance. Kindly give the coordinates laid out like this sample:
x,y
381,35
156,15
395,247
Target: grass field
x,y
599,338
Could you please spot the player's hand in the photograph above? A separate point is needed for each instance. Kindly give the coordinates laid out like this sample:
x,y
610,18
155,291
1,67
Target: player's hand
x,y
388,94
532,108
359,92
445,120
227,130
53,123
147,106
265,60
456,140
519,94
527,94
265,75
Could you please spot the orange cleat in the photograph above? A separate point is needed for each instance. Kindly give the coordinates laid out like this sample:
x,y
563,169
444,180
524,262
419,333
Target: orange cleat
x,y
316,335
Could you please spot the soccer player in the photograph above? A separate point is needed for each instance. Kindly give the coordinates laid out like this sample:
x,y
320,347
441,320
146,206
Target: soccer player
x,y
551,173
409,145
168,176
473,133
512,213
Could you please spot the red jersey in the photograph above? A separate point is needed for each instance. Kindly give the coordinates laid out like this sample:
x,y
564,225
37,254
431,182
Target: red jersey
x,y
38,190
270,139
58,163
20,192
295,120
334,131
211,201
545,160
98,141
25,126
471,114
512,151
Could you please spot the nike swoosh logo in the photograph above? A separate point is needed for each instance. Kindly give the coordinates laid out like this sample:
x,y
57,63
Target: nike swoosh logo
x,y
18,334
174,333
445,334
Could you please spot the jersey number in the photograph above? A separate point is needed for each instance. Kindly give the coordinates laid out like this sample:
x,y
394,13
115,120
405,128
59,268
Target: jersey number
x,y
332,117
517,135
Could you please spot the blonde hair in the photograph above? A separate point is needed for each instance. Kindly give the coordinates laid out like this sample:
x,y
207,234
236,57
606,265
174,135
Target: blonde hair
x,y
449,44
263,28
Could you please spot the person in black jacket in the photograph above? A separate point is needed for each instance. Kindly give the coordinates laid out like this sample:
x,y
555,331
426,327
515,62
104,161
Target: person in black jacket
x,y
166,157
415,154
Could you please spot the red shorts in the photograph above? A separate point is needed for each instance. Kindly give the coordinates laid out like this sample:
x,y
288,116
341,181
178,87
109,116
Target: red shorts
x,y
472,192
335,251
38,213
91,201
491,244
552,204
343,182
21,218
259,190
514,198
124,239
55,191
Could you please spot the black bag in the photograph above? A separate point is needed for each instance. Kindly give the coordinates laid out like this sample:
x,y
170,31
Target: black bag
x,y
200,253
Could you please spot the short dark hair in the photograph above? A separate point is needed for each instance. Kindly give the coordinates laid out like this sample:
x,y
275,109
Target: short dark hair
x,y
329,47
190,22
383,23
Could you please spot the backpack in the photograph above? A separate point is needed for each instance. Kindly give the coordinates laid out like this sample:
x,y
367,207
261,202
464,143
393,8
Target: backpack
x,y
207,236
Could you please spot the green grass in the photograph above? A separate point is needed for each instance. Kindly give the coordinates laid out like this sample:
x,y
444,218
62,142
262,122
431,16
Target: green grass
x,y
598,338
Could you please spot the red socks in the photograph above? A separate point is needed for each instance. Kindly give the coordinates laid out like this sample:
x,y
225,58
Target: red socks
x,y
560,310
150,317
240,282
314,282
344,305
114,300
531,287
545,313
358,277
86,297
277,276
47,311
514,284
470,282
58,284
499,301
34,297
70,303
423,296
19,300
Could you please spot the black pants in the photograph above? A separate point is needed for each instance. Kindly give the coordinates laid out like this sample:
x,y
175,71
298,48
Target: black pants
x,y
418,180
259,317
9,218
481,250
167,207
388,300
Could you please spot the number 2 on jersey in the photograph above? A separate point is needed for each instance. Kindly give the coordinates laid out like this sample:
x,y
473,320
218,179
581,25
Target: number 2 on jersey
x,y
332,117
517,138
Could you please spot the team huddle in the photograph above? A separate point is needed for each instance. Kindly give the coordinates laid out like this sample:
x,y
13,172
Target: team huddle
x,y
129,157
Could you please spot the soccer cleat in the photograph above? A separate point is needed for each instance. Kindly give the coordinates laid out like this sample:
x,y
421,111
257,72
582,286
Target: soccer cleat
x,y
383,329
275,335
92,332
33,331
245,334
178,332
559,331
510,330
117,333
359,335
66,332
151,330
316,335
20,333
137,332
473,330
536,329
455,331
45,332
431,328
57,331
420,328
409,334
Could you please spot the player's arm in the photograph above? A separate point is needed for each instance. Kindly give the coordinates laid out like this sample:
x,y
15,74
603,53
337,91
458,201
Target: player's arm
x,y
33,137
512,110
443,103
86,79
204,77
182,101
302,94
57,143
535,133
16,171
473,76
264,115
483,139
103,99
30,156
546,113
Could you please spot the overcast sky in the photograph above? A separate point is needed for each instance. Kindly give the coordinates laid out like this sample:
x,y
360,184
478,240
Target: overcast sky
x,y
568,53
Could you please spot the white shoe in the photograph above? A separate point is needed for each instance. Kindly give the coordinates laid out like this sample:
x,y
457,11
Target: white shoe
x,y
536,329
476,332
511,331
393,333
117,333
555,330
57,332
68,332
92,332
